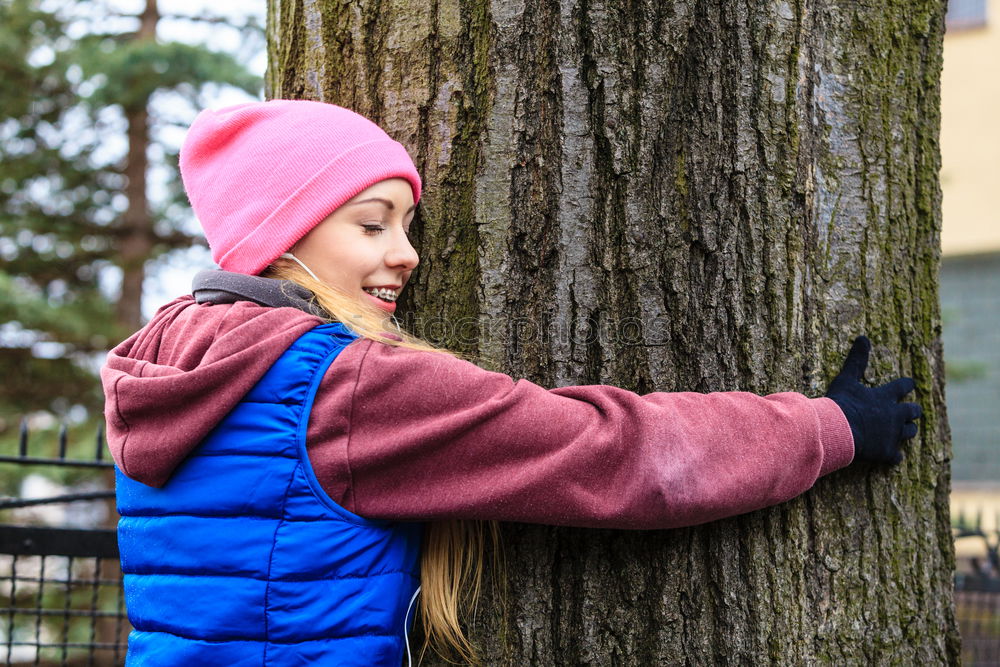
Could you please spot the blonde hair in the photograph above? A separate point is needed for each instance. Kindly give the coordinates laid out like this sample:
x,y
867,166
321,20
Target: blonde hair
x,y
453,554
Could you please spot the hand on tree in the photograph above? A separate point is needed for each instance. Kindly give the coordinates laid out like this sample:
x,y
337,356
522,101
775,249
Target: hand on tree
x,y
879,422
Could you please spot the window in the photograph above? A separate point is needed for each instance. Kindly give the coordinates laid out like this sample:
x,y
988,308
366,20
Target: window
x,y
965,14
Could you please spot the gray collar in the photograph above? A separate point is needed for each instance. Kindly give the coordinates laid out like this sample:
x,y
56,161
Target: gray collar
x,y
227,287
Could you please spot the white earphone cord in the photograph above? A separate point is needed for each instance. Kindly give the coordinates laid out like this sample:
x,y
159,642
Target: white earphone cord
x,y
299,262
406,619
406,627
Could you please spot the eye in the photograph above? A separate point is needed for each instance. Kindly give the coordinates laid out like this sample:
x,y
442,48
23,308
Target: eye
x,y
373,229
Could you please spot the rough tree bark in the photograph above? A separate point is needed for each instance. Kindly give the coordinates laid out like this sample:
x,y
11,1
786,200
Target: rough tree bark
x,y
683,195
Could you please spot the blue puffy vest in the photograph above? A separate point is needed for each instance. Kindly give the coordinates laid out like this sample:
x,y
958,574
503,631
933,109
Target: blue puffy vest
x,y
243,559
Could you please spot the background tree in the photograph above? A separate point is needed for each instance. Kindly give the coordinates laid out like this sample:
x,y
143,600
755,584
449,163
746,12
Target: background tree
x,y
89,190
679,196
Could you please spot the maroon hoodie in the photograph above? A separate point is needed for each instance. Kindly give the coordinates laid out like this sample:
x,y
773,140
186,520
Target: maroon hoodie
x,y
403,434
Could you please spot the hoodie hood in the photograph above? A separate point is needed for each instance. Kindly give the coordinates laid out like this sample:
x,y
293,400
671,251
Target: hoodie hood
x,y
171,382
229,287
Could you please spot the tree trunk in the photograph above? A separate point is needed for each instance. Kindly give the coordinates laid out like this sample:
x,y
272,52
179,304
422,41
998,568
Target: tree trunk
x,y
679,196
137,225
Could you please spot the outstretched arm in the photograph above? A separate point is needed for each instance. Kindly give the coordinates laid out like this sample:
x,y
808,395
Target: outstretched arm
x,y
417,435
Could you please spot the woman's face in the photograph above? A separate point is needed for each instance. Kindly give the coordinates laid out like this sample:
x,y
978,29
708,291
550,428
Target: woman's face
x,y
362,248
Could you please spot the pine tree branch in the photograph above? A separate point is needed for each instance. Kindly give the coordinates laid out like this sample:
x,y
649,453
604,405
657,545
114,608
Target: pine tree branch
x,y
222,20
178,239
194,18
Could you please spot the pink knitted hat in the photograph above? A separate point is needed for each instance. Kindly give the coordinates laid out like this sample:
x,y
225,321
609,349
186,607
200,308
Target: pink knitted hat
x,y
261,175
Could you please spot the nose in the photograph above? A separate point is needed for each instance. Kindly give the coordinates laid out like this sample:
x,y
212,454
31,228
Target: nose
x,y
401,253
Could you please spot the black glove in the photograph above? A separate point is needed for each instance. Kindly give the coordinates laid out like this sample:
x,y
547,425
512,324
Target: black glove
x,y
879,422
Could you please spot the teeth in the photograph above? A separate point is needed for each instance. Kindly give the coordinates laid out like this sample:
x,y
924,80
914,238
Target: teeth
x,y
382,292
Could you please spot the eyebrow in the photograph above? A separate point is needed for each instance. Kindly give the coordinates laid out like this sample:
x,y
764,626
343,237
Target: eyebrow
x,y
388,204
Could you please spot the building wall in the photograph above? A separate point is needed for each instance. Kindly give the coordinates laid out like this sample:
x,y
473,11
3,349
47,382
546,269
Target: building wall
x,y
970,134
970,308
970,305
970,271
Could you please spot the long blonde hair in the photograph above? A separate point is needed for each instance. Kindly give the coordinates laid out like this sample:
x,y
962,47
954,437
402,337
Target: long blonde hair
x,y
454,552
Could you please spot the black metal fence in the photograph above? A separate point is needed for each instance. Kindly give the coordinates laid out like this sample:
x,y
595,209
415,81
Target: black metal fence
x,y
63,584
977,590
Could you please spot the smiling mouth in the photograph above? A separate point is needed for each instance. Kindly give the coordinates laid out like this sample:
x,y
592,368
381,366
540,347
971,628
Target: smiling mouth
x,y
383,293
